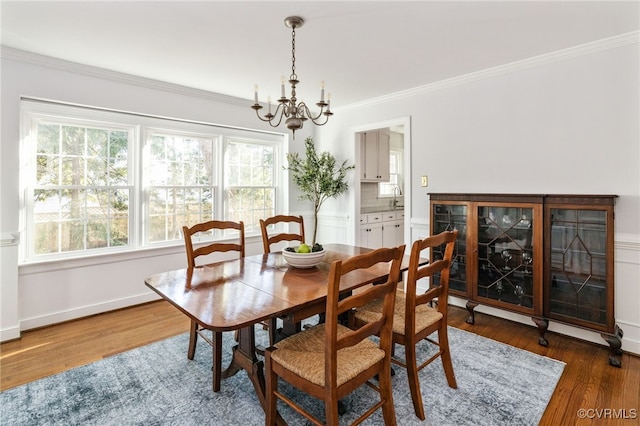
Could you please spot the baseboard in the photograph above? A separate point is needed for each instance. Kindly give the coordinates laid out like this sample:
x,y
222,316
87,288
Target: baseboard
x,y
11,333
84,311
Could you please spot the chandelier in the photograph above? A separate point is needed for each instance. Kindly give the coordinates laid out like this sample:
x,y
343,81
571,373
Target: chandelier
x,y
296,113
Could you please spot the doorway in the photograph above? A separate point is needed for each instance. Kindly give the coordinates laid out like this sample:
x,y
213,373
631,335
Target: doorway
x,y
394,192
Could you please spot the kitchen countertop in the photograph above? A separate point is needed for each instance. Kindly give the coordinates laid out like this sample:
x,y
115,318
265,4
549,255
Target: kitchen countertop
x,y
367,210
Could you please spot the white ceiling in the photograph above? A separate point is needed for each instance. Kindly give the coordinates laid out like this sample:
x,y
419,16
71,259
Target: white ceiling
x,y
362,49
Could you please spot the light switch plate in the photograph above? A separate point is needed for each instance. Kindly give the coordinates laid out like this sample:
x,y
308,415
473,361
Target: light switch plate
x,y
425,180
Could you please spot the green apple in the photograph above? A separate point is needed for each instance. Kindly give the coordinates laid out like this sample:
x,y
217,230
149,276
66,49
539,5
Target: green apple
x,y
303,248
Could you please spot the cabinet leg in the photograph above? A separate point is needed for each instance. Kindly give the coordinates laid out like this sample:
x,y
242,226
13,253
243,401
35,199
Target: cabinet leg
x,y
542,324
615,346
472,315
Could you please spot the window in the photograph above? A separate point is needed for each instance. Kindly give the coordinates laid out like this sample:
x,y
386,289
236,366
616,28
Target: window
x,y
100,181
180,182
81,187
250,182
394,186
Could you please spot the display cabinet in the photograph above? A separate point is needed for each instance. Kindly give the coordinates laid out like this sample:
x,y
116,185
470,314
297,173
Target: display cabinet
x,y
547,256
579,268
447,216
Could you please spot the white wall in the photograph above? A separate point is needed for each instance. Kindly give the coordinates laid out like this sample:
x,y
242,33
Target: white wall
x,y
566,124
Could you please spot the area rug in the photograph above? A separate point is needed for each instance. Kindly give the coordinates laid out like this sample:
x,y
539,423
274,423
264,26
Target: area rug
x,y
157,385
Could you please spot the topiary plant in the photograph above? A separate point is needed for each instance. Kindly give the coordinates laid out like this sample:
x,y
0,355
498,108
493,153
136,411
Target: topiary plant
x,y
318,177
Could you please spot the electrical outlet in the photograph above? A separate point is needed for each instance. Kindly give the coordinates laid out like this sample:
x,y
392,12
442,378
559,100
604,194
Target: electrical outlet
x,y
425,180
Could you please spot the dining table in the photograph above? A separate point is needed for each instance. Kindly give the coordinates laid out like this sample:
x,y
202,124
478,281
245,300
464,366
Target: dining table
x,y
234,295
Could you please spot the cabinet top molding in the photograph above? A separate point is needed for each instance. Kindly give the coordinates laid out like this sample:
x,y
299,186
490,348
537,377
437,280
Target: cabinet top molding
x,y
603,199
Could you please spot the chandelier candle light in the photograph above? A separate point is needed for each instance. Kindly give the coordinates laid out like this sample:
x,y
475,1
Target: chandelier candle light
x,y
296,113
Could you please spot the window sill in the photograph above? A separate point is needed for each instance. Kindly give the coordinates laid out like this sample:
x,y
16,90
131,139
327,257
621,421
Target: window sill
x,y
106,258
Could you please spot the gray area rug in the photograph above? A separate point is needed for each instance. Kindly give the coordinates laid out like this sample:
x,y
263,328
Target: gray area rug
x,y
157,385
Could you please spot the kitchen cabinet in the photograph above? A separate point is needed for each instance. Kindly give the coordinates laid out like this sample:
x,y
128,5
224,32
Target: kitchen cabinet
x,y
382,229
371,230
393,228
375,156
547,256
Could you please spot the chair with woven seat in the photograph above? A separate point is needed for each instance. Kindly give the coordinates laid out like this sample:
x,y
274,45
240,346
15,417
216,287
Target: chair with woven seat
x,y
196,329
415,319
268,240
328,361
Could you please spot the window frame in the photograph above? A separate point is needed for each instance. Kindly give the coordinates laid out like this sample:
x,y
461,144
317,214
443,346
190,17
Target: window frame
x,y
139,127
278,157
399,176
182,131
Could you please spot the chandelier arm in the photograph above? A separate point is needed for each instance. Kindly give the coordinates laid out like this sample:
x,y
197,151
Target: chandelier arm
x,y
316,120
281,110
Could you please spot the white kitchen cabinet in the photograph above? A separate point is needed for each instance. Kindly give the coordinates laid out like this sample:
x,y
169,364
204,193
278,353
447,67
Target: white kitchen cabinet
x,y
392,233
384,229
375,156
371,230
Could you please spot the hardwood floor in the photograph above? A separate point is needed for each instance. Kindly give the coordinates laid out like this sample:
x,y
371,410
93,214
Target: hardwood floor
x,y
588,381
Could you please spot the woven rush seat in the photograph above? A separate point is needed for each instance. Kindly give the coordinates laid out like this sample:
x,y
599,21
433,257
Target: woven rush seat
x,y
425,315
303,353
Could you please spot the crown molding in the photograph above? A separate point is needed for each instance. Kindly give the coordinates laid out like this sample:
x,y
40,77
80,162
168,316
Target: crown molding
x,y
548,58
536,61
91,71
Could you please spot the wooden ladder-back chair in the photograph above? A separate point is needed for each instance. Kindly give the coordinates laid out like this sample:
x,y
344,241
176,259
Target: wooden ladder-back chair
x,y
415,319
268,240
329,360
196,329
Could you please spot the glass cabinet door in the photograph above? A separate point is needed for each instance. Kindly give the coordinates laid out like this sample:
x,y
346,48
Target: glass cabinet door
x,y
578,266
505,254
449,217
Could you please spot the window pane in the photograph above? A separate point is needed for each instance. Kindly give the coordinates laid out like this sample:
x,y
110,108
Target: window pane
x,y
181,176
76,203
249,164
47,169
177,160
386,189
250,205
250,183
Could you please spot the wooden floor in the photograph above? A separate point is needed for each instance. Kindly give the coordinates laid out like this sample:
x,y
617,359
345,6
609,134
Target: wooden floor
x,y
588,381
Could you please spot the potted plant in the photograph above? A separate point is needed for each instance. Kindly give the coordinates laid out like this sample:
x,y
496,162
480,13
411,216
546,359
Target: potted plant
x,y
318,177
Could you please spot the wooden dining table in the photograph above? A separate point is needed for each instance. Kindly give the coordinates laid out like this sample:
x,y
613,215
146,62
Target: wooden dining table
x,y
237,294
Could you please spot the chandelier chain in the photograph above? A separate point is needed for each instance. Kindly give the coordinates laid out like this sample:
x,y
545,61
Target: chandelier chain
x,y
293,53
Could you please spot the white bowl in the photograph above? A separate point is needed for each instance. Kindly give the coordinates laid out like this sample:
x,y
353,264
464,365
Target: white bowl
x,y
303,260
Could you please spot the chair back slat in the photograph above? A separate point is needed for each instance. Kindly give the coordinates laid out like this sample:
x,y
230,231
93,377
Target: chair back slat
x,y
222,225
269,240
417,272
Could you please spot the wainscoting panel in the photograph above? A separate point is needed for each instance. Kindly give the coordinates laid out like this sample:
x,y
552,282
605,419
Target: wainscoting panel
x,y
332,228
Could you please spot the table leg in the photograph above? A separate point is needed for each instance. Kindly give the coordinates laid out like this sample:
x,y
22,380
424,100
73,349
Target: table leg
x,y
245,358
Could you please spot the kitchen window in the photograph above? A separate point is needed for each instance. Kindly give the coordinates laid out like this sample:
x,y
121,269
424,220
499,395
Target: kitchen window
x,y
394,186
